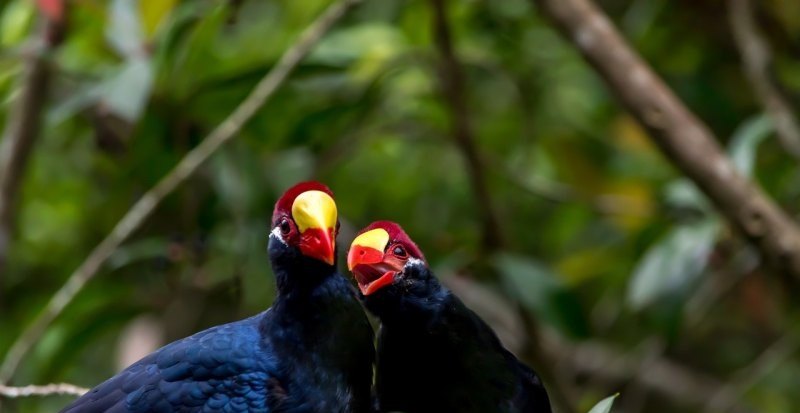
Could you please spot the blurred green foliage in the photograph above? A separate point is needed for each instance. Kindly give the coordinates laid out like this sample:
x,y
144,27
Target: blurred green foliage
x,y
604,239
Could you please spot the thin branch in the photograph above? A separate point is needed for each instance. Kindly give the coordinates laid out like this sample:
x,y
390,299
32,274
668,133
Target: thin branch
x,y
454,91
757,60
680,135
22,128
134,218
720,282
747,377
658,374
59,389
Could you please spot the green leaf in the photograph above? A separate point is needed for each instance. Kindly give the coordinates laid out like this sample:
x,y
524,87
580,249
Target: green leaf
x,y
366,48
745,140
195,61
154,13
673,263
15,21
604,406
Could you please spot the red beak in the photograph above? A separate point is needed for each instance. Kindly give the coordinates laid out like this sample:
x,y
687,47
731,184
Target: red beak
x,y
318,243
370,269
314,212
360,254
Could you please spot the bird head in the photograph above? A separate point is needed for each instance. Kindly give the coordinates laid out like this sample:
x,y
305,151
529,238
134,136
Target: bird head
x,y
305,218
381,254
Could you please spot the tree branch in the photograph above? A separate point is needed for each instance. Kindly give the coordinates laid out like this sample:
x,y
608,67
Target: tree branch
x,y
11,392
185,168
658,374
746,378
22,128
454,91
757,60
680,135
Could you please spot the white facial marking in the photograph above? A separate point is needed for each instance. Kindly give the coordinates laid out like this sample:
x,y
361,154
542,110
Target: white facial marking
x,y
413,261
276,233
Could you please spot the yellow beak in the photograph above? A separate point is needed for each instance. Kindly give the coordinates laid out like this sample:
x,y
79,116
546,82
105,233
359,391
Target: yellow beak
x,y
315,214
367,248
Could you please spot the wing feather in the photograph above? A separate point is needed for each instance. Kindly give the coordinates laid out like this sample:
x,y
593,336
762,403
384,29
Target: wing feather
x,y
224,368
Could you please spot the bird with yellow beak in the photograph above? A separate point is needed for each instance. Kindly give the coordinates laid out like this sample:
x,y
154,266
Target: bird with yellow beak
x,y
312,351
305,219
433,353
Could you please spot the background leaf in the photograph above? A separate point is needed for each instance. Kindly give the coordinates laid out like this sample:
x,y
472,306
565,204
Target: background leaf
x,y
154,13
542,291
604,406
126,93
674,263
124,28
745,140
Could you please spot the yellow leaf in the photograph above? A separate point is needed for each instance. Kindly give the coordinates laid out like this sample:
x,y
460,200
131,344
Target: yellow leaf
x,y
630,203
153,13
577,168
584,265
630,136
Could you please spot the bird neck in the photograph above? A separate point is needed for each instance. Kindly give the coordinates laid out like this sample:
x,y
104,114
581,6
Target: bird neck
x,y
301,278
313,312
308,305
296,275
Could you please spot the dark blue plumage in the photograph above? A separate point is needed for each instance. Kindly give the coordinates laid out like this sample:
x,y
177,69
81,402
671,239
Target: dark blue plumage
x,y
224,365
312,351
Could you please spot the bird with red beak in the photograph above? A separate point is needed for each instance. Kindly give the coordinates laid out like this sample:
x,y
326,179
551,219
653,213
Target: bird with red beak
x,y
305,218
312,351
433,354
378,254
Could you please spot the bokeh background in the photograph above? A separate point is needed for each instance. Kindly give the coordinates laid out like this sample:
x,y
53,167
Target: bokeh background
x,y
589,253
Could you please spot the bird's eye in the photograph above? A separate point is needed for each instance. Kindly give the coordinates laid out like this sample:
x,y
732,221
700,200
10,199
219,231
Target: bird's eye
x,y
399,251
285,226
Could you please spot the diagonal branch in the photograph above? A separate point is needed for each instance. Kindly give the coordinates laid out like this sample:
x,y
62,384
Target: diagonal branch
x,y
134,218
681,136
454,91
23,125
746,378
757,60
59,389
666,377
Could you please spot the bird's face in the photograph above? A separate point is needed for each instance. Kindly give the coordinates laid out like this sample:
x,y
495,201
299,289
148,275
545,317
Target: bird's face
x,y
305,218
380,255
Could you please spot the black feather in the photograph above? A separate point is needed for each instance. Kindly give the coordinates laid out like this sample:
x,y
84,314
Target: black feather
x,y
436,355
311,352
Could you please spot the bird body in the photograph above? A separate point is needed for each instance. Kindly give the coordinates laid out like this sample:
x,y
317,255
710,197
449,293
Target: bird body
x,y
312,351
437,355
434,354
